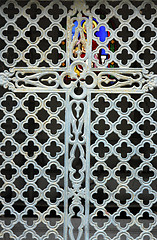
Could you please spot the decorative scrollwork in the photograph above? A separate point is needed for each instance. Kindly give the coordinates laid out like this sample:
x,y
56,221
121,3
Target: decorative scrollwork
x,y
117,80
78,140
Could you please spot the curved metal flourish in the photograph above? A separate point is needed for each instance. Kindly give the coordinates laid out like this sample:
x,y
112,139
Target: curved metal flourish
x,y
114,80
77,164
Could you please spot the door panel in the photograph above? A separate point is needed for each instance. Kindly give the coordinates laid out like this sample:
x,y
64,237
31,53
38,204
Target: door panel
x,y
78,120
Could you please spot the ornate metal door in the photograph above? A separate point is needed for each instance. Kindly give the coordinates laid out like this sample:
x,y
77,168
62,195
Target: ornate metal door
x,y
78,125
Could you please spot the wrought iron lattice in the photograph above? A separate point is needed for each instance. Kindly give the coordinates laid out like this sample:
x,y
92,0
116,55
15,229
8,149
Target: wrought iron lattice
x,y
78,123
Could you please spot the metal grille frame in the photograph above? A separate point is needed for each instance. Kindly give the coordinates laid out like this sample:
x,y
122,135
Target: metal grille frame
x,y
78,150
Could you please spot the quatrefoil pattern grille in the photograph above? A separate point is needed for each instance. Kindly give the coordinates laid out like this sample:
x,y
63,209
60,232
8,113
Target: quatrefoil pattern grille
x,y
32,166
119,173
78,161
122,164
35,34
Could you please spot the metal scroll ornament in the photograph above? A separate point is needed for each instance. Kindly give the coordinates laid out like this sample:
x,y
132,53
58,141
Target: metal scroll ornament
x,y
85,54
107,81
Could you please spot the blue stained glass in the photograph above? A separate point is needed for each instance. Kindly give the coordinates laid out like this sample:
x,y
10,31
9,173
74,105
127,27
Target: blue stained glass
x,y
102,34
73,28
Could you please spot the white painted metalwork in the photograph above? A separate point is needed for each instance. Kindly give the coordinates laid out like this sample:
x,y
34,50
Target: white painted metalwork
x,y
78,128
